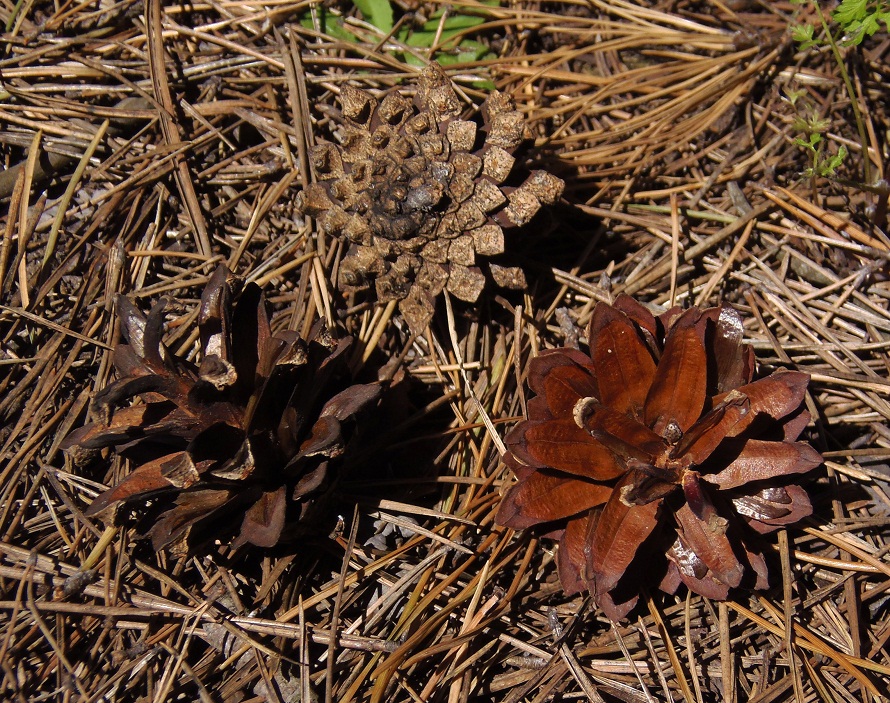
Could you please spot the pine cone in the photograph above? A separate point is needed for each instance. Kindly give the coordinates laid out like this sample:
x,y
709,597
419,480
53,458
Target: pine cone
x,y
658,441
420,193
240,433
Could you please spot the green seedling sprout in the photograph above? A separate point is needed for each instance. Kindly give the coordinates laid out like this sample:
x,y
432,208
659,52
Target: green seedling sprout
x,y
856,19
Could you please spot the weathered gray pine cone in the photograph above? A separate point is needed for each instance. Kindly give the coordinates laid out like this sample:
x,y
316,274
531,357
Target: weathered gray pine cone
x,y
420,194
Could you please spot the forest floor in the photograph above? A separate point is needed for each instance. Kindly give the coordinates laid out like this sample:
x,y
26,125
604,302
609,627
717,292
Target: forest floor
x,y
710,154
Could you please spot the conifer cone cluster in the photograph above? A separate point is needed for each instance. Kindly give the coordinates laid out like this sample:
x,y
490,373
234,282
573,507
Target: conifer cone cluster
x,y
247,434
658,442
421,194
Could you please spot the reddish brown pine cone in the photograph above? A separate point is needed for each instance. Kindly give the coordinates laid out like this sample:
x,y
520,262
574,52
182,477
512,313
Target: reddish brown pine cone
x,y
245,436
421,194
659,442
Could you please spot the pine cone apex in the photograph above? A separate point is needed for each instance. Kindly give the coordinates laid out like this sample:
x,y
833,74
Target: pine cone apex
x,y
422,195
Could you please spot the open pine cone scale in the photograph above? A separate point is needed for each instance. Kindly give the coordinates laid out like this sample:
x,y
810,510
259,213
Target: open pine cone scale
x,y
659,439
240,432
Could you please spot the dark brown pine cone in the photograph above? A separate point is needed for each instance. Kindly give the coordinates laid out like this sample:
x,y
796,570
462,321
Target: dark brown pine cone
x,y
420,194
246,435
659,441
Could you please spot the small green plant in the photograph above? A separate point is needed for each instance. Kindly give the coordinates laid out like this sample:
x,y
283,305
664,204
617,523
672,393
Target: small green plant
x,y
804,36
811,128
855,20
860,18
442,33
821,164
